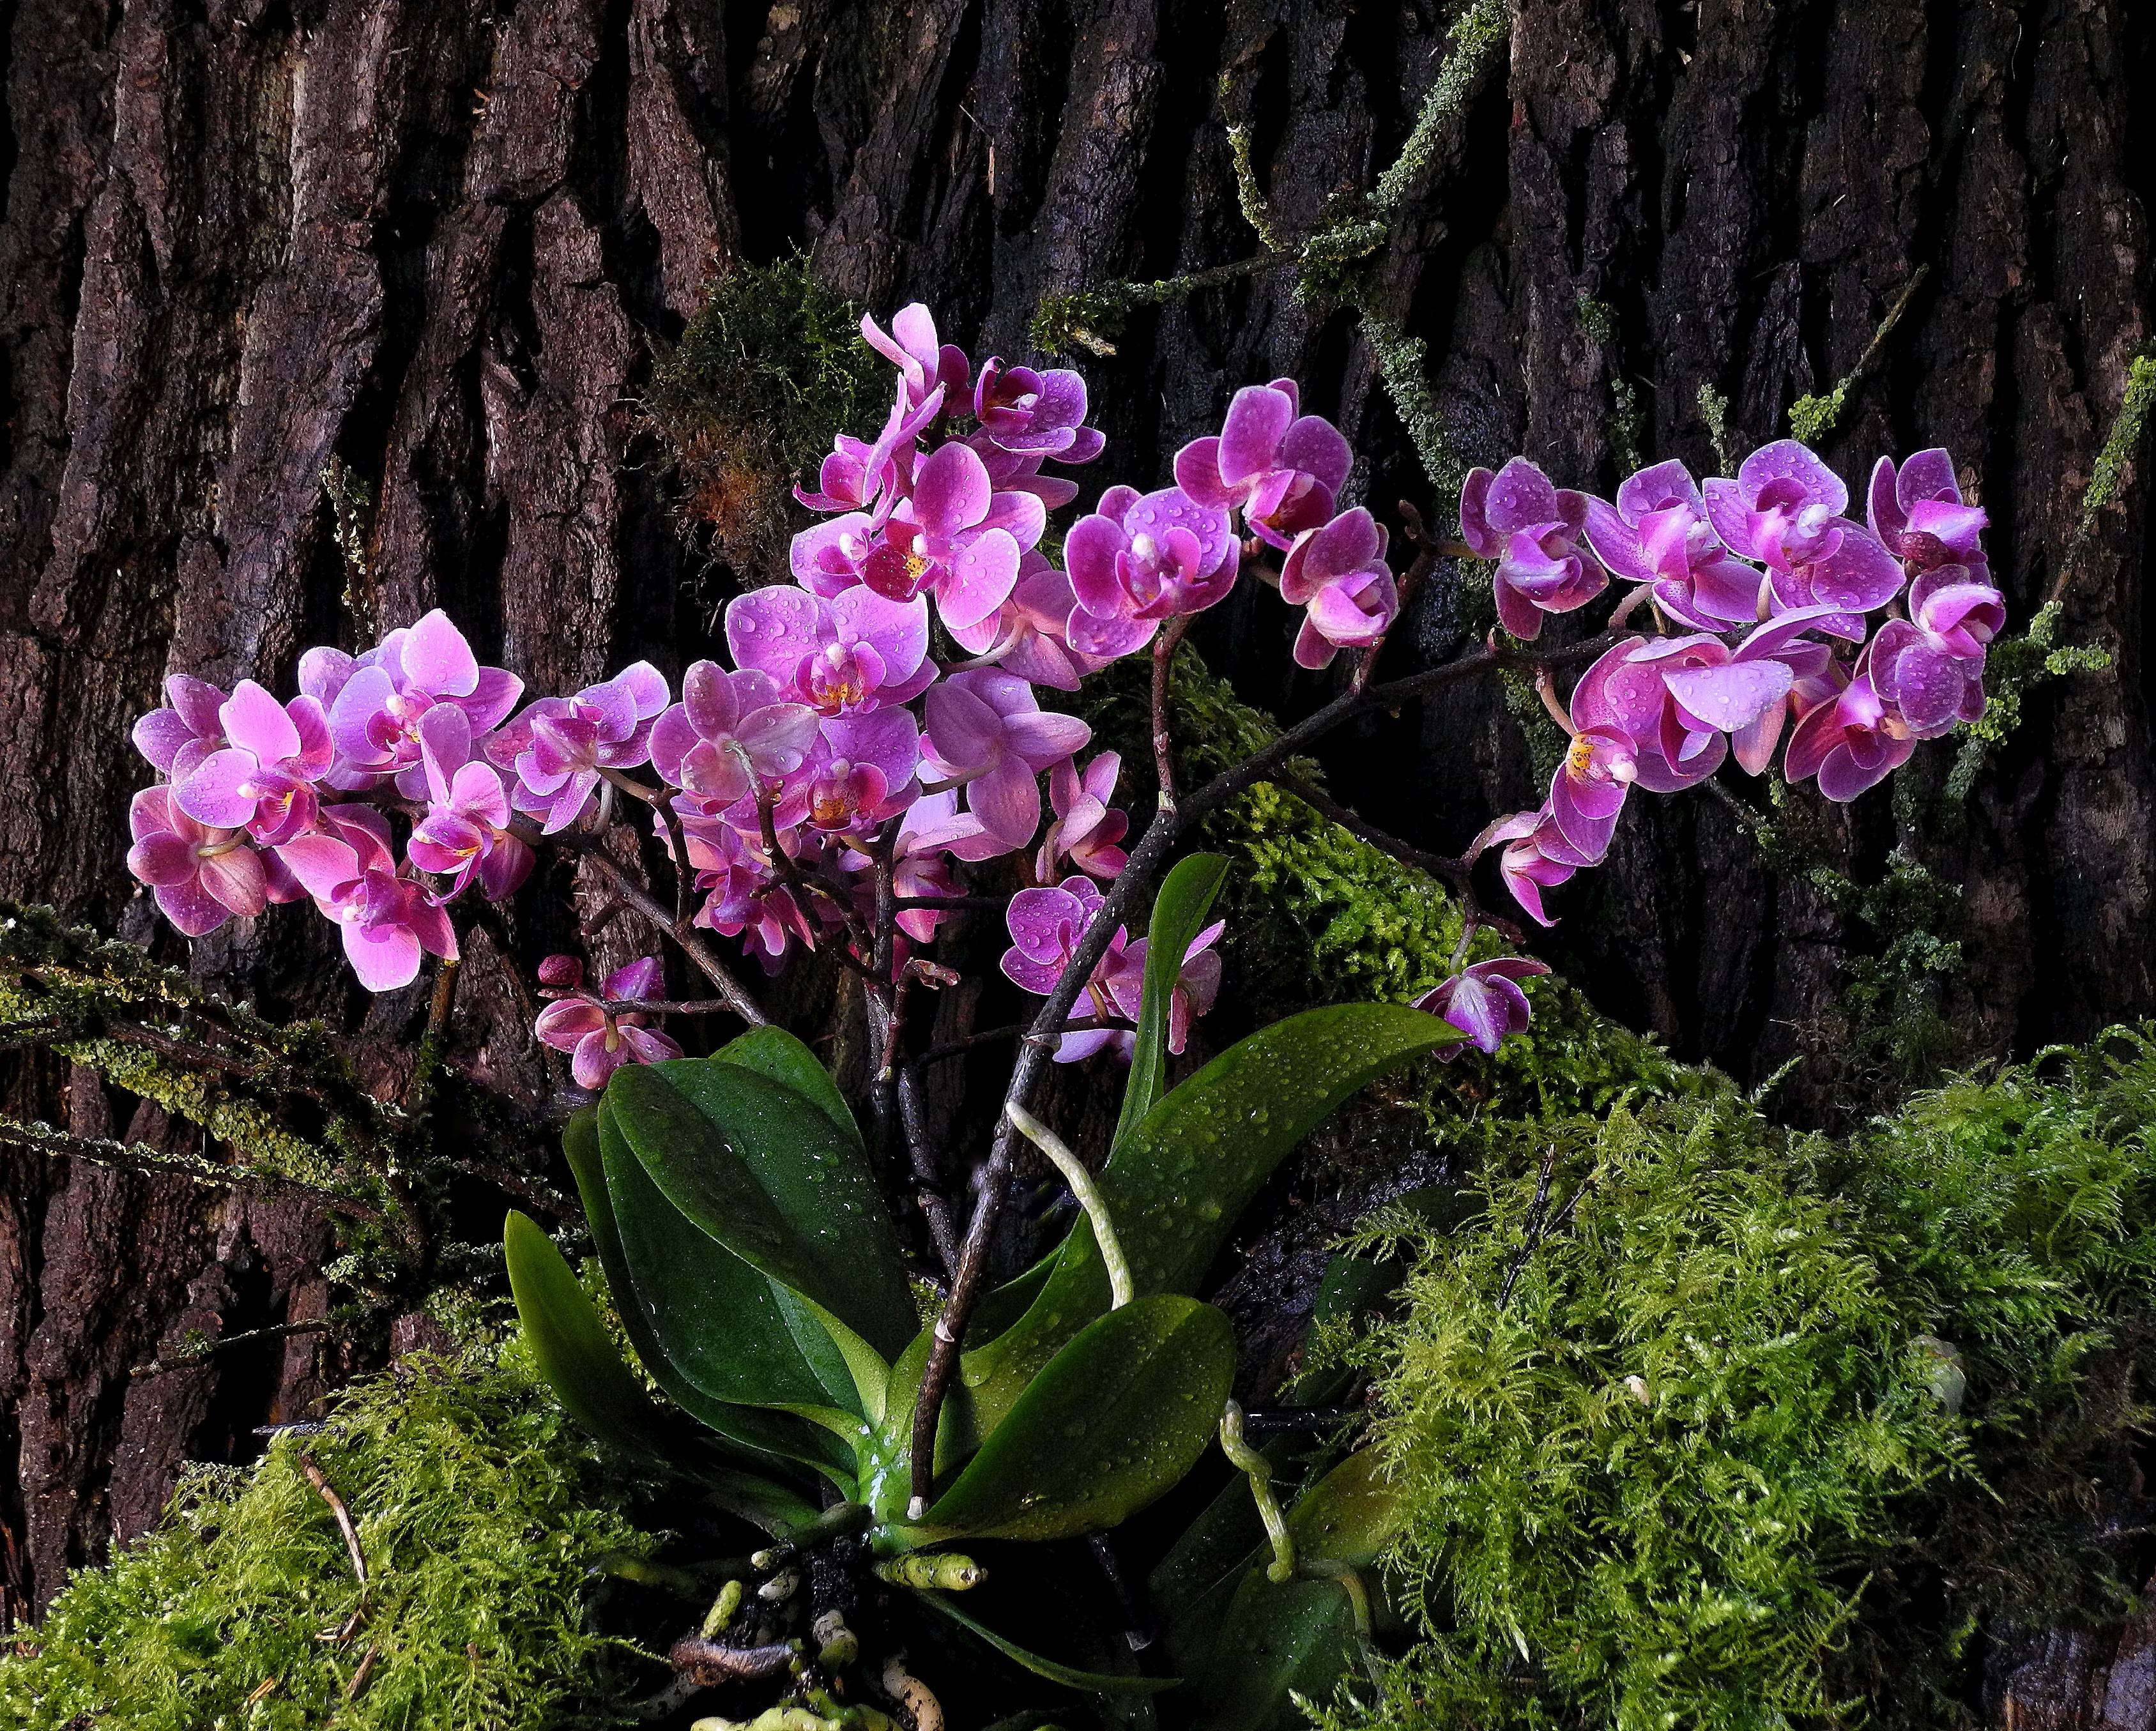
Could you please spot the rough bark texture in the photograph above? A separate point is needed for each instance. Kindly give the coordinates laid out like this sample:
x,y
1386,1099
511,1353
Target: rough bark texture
x,y
244,238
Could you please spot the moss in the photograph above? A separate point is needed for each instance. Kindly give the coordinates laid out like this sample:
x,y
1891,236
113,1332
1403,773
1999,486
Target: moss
x,y
480,1514
767,370
1740,1427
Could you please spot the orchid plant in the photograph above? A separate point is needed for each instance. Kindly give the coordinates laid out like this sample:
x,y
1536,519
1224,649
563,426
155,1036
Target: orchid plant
x,y
866,770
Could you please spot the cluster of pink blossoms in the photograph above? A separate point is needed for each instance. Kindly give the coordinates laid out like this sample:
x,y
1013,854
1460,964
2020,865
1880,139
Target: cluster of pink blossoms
x,y
886,701
1765,586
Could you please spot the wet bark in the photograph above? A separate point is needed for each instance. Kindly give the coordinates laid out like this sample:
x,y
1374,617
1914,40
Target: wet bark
x,y
246,239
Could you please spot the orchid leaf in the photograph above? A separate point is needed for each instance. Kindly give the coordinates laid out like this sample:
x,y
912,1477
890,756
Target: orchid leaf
x,y
569,1342
1178,915
766,1174
704,1323
1177,1183
1280,1640
1115,1418
1098,1682
779,1057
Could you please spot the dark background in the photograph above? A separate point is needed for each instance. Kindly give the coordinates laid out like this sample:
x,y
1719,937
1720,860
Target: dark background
x,y
437,243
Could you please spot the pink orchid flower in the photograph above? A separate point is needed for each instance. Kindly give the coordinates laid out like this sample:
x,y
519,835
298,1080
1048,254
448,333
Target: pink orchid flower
x,y
1784,510
1139,559
856,651
730,732
201,875
465,832
561,747
1851,743
601,1034
387,922
1484,1001
1281,468
1658,532
1918,513
1338,573
1036,414
263,779
375,703
986,728
1085,830
1536,532
911,345
1029,636
178,736
1628,689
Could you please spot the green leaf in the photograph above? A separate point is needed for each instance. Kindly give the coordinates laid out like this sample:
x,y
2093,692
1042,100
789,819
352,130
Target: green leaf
x,y
1178,916
1177,1183
768,1174
1277,1641
1113,1420
570,1344
778,1057
1298,1636
1098,1682
702,1315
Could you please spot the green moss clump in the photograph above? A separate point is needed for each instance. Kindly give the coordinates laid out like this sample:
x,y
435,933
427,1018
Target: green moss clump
x,y
768,370
1741,1427
481,1511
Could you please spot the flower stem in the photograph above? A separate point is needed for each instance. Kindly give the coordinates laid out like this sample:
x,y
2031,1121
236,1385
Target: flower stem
x,y
1089,1198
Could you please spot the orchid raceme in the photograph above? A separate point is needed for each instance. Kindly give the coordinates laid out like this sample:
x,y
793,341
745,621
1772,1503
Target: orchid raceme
x,y
874,744
1769,587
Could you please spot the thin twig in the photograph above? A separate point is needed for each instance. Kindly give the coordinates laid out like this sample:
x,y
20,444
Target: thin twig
x,y
328,1494
642,900
1428,551
201,1355
139,1157
1164,739
1532,1233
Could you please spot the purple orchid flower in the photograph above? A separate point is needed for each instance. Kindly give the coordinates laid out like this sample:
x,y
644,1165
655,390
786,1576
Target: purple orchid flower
x,y
867,769
1658,532
911,345
465,832
1918,666
599,1034
200,874
387,922
955,538
1484,1001
1784,510
1750,695
1019,472
856,651
1036,414
986,728
1029,636
1588,789
729,733
1851,743
178,737
262,780
1918,513
931,834
1339,574
560,746
1140,559
861,476
1536,532
1628,689
1281,468
375,703
1085,830
1536,857
1046,927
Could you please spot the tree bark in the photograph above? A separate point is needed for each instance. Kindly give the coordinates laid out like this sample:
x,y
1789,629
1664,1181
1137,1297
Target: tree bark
x,y
245,240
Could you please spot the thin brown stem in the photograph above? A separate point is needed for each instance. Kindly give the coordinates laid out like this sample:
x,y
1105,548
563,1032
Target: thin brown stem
x,y
1165,647
327,1492
641,900
1427,553
282,1331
